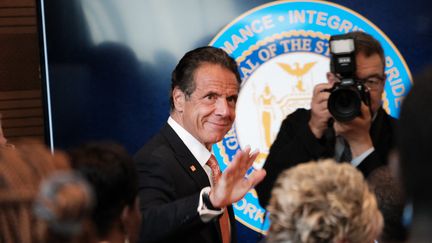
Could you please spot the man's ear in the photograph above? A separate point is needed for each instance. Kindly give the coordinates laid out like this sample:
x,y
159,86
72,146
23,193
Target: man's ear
x,y
179,99
331,78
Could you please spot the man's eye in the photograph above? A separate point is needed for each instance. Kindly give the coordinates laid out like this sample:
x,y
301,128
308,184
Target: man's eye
x,y
372,81
209,97
232,99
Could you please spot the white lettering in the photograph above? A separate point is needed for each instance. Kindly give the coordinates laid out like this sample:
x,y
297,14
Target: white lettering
x,y
241,206
248,31
322,19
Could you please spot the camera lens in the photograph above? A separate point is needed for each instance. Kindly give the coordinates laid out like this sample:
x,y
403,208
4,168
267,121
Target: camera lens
x,y
344,104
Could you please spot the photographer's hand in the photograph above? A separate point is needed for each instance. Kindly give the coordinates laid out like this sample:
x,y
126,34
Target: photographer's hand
x,y
356,132
319,112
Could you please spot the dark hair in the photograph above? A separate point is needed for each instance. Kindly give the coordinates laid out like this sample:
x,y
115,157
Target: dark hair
x,y
111,171
414,139
391,202
183,74
366,44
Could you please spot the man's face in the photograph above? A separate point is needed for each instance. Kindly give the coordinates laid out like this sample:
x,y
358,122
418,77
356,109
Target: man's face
x,y
209,112
371,70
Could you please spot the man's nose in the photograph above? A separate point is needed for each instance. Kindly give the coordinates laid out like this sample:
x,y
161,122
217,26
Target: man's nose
x,y
222,107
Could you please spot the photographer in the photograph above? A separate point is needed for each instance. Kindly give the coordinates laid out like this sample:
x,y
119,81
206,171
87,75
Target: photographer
x,y
363,139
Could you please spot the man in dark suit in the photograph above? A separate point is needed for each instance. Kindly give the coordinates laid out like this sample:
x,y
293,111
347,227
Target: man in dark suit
x,y
184,197
313,134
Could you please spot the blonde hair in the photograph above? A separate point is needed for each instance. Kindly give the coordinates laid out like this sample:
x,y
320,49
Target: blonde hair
x,y
323,202
21,172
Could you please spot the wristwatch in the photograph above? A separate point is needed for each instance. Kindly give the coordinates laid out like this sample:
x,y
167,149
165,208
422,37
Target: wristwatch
x,y
207,202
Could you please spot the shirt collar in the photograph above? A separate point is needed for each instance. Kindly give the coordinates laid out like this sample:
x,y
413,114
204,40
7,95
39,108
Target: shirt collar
x,y
198,150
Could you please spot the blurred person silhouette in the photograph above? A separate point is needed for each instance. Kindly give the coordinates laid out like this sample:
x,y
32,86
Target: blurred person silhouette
x,y
64,205
414,146
323,201
22,170
391,202
111,172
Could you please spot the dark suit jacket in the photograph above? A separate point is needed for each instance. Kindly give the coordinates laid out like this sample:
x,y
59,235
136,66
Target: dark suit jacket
x,y
295,144
169,193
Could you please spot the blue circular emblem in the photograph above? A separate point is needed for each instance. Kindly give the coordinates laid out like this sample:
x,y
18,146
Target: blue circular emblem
x,y
282,51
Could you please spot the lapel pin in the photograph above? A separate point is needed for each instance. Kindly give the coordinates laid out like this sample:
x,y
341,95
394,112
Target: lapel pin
x,y
192,168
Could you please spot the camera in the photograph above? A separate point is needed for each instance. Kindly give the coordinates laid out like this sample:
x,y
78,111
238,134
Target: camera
x,y
346,96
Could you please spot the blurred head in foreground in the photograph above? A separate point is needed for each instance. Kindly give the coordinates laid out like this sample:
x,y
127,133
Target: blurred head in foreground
x,y
414,145
32,207
111,172
323,202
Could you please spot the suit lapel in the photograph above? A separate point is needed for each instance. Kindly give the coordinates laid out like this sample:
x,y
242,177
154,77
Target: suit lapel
x,y
185,157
